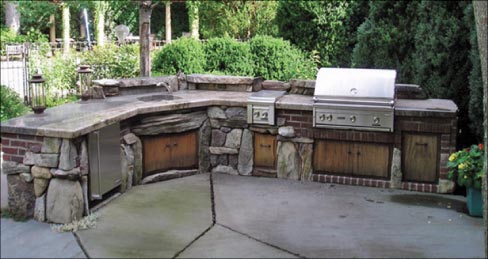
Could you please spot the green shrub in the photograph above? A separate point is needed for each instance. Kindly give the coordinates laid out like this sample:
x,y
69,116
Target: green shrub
x,y
59,71
228,56
277,59
111,61
11,105
184,54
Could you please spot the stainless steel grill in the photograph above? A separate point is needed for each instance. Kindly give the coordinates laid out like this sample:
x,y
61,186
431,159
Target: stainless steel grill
x,y
348,98
261,107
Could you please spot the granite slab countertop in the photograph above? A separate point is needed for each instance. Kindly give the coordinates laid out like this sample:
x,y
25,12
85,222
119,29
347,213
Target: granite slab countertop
x,y
82,117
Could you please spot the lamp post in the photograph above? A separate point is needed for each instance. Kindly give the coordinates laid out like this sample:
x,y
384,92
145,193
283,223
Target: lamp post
x,y
37,93
84,77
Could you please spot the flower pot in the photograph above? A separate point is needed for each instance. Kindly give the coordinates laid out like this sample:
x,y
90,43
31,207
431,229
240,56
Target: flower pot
x,y
475,202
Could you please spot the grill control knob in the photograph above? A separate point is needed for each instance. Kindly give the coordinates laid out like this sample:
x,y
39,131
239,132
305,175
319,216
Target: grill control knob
x,y
329,117
376,120
322,117
352,118
256,114
264,115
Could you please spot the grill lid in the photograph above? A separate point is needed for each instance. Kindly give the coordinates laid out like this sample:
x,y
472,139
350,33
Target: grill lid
x,y
353,83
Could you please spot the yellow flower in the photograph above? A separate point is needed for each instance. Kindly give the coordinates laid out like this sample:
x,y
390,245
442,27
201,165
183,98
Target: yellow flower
x,y
462,166
452,157
465,177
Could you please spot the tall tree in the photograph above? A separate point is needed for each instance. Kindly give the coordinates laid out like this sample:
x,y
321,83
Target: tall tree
x,y
194,18
481,17
52,28
66,24
167,7
12,16
145,10
101,7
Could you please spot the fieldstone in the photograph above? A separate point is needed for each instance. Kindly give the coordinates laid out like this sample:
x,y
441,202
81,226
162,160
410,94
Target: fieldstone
x,y
216,160
35,148
273,131
445,186
219,79
67,158
84,187
26,177
46,160
246,154
305,153
258,129
64,202
396,169
233,139
41,172
216,113
21,197
204,134
172,123
40,186
233,161
225,129
234,123
222,150
40,208
215,123
280,121
84,165
137,147
288,161
11,167
51,145
286,131
130,138
225,169
236,113
29,158
168,175
218,138
73,174
127,170
97,92
181,77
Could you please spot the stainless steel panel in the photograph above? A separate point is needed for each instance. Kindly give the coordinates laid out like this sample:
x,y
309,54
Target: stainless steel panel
x,y
261,114
378,119
104,159
355,83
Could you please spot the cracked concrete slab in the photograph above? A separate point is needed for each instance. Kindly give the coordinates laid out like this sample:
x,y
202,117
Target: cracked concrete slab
x,y
326,220
153,220
220,242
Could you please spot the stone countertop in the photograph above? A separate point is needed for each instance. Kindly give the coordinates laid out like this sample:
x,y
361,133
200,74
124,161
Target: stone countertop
x,y
79,118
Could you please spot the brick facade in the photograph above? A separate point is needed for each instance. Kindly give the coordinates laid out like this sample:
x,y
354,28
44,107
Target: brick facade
x,y
14,146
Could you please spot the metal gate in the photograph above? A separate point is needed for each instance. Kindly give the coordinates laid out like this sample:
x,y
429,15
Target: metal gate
x,y
15,70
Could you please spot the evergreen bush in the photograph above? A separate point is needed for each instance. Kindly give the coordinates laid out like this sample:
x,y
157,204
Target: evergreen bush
x,y
184,54
111,61
227,56
11,105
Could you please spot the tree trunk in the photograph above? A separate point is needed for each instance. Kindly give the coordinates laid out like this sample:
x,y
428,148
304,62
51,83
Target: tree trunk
x,y
167,23
66,39
194,18
145,10
480,13
12,16
100,9
82,26
52,28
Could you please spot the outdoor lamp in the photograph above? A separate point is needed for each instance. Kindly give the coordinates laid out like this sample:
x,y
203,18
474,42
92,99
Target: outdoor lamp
x,y
84,77
37,93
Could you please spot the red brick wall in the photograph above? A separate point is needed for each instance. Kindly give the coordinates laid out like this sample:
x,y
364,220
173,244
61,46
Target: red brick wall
x,y
14,146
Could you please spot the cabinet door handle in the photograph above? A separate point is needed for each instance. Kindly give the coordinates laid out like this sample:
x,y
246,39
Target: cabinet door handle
x,y
266,146
421,144
168,145
175,144
358,153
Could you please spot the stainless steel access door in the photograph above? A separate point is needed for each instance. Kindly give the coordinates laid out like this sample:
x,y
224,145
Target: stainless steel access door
x,y
104,158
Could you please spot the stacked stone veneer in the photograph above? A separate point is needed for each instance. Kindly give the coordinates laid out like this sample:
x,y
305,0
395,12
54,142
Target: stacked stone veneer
x,y
417,122
47,177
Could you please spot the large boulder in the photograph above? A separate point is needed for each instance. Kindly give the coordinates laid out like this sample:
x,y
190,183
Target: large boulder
x,y
64,203
246,153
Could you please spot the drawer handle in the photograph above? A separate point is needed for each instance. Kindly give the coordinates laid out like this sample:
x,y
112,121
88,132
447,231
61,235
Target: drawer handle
x,y
266,146
168,145
421,144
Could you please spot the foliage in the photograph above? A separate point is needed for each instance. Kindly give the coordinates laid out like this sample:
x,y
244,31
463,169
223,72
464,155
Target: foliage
x,y
228,56
86,222
55,99
466,166
326,26
58,71
237,19
111,61
9,36
11,105
277,59
185,54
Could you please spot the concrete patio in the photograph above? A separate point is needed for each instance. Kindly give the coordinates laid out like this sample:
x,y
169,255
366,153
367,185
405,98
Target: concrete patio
x,y
260,217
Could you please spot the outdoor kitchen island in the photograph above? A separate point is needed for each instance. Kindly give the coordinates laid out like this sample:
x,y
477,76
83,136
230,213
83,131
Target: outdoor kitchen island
x,y
54,165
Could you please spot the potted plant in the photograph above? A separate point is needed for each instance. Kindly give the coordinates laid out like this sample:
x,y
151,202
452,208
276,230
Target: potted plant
x,y
466,168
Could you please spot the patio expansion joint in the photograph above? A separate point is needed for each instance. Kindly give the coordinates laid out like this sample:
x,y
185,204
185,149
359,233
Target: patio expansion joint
x,y
80,244
261,241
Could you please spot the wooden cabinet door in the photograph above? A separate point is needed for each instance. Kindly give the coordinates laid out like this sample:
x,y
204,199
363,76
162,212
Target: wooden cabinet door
x,y
419,157
184,150
333,157
264,150
156,153
371,160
